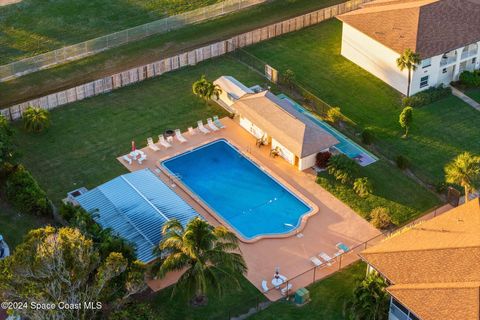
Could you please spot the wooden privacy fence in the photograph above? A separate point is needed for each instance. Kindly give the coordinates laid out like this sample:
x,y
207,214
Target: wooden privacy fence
x,y
189,58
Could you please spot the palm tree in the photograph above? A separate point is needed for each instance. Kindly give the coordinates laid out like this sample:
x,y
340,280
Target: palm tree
x,y
465,171
35,119
210,257
205,89
408,60
369,300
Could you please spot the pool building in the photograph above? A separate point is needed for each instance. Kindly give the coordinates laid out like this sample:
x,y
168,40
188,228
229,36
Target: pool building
x,y
289,130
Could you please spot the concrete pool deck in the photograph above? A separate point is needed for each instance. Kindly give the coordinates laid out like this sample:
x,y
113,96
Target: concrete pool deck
x,y
334,221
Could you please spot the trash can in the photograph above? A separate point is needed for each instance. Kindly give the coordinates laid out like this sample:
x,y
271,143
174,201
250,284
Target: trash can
x,y
302,296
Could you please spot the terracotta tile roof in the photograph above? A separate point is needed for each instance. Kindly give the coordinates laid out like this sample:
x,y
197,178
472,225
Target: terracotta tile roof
x,y
434,267
428,27
284,123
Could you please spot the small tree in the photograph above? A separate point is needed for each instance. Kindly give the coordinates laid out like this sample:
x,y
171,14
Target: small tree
x,y
362,187
36,119
408,60
342,168
334,115
205,89
464,170
405,119
380,218
289,78
370,299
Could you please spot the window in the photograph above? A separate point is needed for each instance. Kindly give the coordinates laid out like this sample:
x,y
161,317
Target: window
x,y
474,60
444,70
424,82
426,63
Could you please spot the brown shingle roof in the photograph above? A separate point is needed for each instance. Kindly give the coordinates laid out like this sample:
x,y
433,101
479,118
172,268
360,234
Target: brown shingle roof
x,y
434,267
284,123
428,27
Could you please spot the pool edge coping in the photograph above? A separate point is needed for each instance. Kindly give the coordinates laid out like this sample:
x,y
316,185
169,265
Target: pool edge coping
x,y
303,219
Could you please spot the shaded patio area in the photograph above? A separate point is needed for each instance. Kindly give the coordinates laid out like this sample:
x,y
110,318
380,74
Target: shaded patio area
x,y
333,222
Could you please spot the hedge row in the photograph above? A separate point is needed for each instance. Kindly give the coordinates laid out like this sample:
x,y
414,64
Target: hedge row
x,y
426,97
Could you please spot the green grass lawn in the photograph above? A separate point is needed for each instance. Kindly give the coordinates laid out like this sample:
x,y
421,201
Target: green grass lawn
x,y
474,94
234,301
81,146
14,226
440,131
151,49
328,298
32,27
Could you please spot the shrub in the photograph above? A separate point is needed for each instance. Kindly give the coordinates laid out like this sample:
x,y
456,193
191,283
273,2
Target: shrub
x,y
134,311
402,162
25,194
470,79
35,119
362,187
288,77
334,115
322,159
380,218
367,136
342,168
426,97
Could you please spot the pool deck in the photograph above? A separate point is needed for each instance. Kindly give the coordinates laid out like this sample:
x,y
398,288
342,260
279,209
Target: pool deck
x,y
333,221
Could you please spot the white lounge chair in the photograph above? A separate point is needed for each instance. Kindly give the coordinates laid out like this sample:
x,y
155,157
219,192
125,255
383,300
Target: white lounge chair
x,y
286,289
218,123
179,136
326,257
191,131
284,279
264,286
127,159
152,145
163,142
317,262
142,158
201,128
211,125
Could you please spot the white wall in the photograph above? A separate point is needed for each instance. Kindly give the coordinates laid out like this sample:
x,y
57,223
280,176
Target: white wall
x,y
373,57
253,129
307,162
284,152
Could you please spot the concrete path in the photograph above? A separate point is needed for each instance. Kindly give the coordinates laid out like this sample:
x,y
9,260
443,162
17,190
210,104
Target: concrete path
x,y
465,98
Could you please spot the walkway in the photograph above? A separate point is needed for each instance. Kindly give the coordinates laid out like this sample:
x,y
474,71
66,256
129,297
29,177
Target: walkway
x,y
465,98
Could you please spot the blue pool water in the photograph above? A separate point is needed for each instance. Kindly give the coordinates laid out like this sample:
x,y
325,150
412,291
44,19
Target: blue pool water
x,y
242,194
346,145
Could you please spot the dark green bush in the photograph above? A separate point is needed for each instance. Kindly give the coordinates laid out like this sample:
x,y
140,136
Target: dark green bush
x,y
402,162
470,79
24,193
342,168
367,136
426,97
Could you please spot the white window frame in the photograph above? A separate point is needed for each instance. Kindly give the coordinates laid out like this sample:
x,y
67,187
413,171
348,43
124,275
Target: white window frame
x,y
426,63
424,81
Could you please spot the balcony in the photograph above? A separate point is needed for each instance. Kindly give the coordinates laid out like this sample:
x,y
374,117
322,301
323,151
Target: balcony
x,y
469,51
448,60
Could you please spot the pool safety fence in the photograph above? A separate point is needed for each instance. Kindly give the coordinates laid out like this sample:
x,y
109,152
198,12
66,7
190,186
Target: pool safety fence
x,y
189,58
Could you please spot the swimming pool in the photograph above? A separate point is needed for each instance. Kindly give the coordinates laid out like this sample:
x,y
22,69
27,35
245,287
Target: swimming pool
x,y
346,145
251,201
